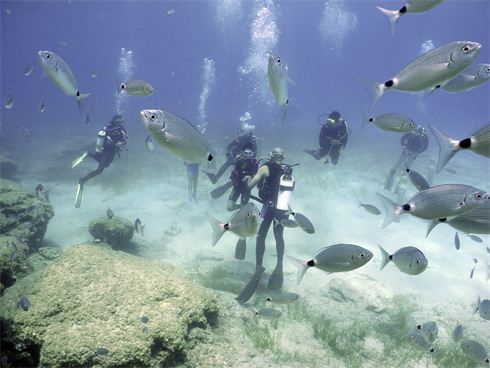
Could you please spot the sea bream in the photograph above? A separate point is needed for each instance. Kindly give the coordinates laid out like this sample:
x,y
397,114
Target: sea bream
x,y
475,351
177,135
411,6
136,87
482,307
393,122
60,74
244,223
468,80
409,260
277,73
430,69
334,258
440,201
478,142
476,221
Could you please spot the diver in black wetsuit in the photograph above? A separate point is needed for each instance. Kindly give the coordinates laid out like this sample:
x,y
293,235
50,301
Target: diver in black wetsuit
x,y
413,144
332,138
109,142
245,139
275,190
245,165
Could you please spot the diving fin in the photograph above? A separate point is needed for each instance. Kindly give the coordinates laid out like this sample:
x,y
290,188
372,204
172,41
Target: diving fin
x,y
241,249
79,197
219,191
276,279
249,289
389,180
78,160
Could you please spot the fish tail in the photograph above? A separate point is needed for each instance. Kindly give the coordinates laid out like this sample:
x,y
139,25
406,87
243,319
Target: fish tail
x,y
431,226
284,112
302,267
392,210
365,120
375,90
393,17
218,229
477,304
385,257
447,147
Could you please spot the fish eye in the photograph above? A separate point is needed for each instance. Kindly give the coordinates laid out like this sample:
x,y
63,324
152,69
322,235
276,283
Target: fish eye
x,y
487,70
48,56
153,117
278,60
478,196
363,255
418,261
466,49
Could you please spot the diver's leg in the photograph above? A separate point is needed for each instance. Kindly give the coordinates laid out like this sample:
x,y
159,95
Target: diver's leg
x,y
276,279
249,289
391,176
241,245
335,154
232,206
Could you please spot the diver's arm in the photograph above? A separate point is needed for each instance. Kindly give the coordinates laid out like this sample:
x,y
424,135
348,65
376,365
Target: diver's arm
x,y
263,172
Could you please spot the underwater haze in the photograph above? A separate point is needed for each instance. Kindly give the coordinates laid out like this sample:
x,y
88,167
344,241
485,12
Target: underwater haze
x,y
207,62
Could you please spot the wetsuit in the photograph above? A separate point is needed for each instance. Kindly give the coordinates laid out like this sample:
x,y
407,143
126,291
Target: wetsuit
x,y
236,146
115,137
243,167
268,192
332,139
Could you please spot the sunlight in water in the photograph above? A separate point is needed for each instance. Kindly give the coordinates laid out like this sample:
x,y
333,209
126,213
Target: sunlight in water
x,y
125,71
208,79
264,35
228,14
336,23
426,46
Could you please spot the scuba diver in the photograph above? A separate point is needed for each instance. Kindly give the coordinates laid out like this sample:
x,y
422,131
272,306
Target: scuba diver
x,y
109,142
246,138
413,144
275,189
332,138
245,165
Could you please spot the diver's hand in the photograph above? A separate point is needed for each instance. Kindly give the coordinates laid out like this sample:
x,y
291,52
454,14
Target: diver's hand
x,y
246,179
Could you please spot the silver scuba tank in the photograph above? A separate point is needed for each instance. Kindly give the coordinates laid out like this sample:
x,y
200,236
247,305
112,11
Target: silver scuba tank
x,y
99,144
286,186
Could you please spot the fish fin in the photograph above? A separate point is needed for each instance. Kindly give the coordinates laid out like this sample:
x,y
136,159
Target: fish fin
x,y
385,257
290,211
476,306
79,195
447,147
393,17
365,120
218,229
285,109
302,268
432,224
374,89
392,210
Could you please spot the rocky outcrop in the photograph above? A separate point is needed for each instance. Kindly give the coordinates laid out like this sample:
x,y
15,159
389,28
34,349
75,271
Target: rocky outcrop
x,y
115,231
98,307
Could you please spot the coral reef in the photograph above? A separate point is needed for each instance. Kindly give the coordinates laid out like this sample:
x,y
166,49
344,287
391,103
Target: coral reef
x,y
115,231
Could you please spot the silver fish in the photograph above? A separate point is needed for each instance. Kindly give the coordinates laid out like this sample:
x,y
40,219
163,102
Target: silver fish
x,y
94,73
87,118
303,222
417,179
149,144
411,6
482,307
488,250
458,332
457,243
370,208
476,221
478,142
42,106
451,171
440,201
283,298
429,330
466,81
278,79
28,69
475,238
109,213
472,272
268,313
177,135
289,223
393,122
61,75
430,69
475,261
409,260
334,258
244,223
475,351
9,102
26,132
136,87
419,341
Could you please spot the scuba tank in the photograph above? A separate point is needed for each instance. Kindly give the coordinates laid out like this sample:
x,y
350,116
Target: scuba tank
x,y
286,186
99,144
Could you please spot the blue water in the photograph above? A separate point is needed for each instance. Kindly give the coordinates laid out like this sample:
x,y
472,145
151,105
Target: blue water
x,y
207,61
